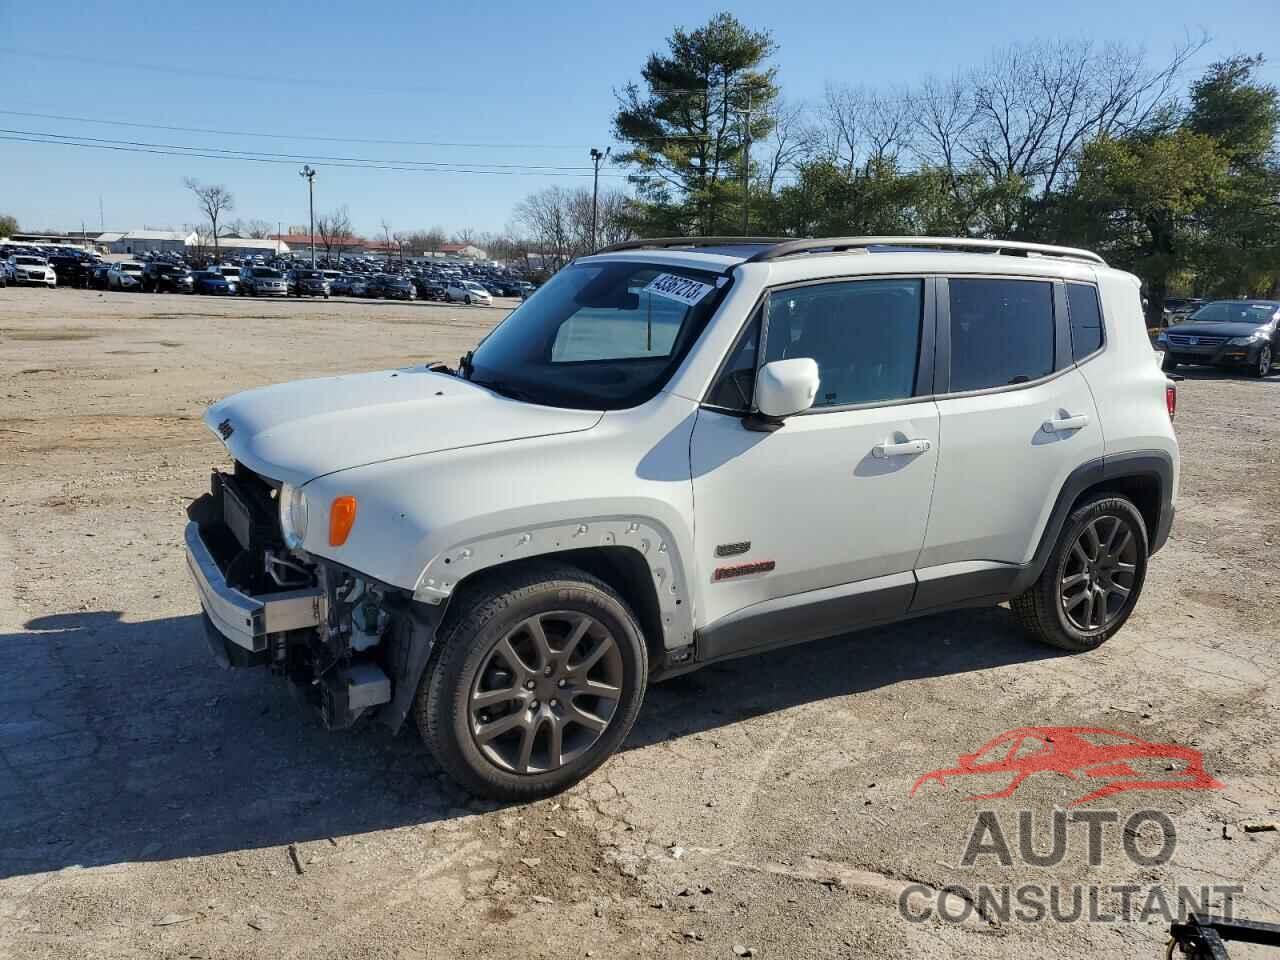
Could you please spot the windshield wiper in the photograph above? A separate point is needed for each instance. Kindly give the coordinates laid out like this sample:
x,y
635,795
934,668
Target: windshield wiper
x,y
465,368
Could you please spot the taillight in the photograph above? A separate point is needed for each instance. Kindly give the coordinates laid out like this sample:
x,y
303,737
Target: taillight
x,y
1171,399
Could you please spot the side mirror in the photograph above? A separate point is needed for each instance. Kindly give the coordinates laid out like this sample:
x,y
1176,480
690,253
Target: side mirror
x,y
783,389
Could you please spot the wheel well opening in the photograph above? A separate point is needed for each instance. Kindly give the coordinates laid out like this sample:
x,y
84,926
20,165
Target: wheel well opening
x,y
1142,489
622,568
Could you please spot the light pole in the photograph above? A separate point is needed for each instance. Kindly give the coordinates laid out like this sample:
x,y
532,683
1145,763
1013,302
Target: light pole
x,y
310,174
596,158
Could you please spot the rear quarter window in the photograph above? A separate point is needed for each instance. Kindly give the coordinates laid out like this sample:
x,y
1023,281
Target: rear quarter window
x,y
1086,319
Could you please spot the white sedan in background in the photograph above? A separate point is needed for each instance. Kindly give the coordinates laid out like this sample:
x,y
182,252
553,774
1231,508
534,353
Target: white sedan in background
x,y
467,291
125,276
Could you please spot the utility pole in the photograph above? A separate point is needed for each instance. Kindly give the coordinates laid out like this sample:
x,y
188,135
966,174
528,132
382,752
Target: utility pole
x,y
596,158
310,174
102,221
746,169
279,226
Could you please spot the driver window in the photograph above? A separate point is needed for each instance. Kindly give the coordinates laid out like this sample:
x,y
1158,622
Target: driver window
x,y
863,334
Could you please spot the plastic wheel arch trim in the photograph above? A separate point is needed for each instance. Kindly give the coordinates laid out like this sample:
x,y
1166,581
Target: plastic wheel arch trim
x,y
655,544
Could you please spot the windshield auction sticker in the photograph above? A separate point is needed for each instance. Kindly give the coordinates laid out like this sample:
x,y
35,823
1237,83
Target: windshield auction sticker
x,y
682,289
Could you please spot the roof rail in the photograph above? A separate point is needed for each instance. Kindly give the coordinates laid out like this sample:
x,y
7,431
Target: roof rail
x,y
662,243
789,248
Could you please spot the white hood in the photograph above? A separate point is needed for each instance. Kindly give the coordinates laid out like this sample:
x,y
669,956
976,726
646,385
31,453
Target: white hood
x,y
302,430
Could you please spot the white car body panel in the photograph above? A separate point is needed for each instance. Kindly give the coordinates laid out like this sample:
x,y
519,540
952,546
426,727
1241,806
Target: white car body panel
x,y
298,431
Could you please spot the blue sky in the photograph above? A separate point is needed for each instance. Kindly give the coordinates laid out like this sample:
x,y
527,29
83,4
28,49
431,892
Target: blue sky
x,y
530,82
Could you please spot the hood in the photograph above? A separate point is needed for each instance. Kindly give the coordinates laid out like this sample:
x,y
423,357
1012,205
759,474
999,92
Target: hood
x,y
302,430
1201,329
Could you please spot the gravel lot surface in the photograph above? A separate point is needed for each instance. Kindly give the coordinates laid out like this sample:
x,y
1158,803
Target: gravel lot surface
x,y
153,805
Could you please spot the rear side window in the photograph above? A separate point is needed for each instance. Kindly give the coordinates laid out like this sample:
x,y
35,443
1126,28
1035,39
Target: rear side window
x,y
864,335
1086,319
1001,332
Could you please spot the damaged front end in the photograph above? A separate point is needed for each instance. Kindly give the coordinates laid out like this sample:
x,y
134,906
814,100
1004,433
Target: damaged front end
x,y
350,645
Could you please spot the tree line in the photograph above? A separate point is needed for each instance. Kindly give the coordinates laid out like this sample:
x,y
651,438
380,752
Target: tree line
x,y
1063,141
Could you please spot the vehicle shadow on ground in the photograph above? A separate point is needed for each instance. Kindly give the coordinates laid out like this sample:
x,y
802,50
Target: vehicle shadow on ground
x,y
123,742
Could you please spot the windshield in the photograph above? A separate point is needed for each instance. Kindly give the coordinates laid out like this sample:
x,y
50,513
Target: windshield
x,y
265,272
598,335
308,274
1227,311
131,267
30,261
230,272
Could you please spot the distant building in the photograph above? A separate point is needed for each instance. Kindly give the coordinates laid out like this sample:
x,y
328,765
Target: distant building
x,y
300,243
134,242
468,250
250,246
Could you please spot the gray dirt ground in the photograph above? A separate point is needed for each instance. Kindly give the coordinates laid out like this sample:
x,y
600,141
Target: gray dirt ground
x,y
153,805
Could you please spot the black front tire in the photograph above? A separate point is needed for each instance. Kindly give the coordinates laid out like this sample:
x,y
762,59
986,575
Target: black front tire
x,y
1262,367
484,616
1040,609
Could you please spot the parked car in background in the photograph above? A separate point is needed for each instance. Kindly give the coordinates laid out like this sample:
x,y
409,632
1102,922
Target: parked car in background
x,y
160,277
72,271
231,274
467,291
126,275
1177,309
357,286
258,281
305,282
428,289
98,279
392,287
1226,333
210,282
31,270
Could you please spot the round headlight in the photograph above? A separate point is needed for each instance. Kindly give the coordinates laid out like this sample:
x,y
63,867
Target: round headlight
x,y
293,515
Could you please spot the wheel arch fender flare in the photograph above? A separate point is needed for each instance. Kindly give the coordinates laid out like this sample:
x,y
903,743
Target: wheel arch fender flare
x,y
650,539
1143,465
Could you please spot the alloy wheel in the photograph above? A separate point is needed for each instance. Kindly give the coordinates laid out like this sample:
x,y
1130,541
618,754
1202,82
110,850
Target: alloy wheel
x,y
1100,573
1264,361
545,692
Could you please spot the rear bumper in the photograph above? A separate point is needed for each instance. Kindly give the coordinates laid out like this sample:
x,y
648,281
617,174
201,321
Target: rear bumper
x,y
244,620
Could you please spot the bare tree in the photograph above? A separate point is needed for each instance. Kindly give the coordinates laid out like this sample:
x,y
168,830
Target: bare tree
x,y
464,236
334,228
386,237
214,200
790,141
1035,105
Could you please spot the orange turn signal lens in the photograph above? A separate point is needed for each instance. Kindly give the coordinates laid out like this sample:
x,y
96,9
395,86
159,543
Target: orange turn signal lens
x,y
342,516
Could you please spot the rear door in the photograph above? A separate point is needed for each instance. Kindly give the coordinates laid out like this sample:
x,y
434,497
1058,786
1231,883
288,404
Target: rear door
x,y
816,503
1016,418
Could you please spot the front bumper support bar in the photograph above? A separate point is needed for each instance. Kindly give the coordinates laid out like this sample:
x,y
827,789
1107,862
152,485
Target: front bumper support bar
x,y
243,619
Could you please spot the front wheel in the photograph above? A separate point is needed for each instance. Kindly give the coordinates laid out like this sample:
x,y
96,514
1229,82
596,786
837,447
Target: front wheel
x,y
1093,578
539,679
1263,366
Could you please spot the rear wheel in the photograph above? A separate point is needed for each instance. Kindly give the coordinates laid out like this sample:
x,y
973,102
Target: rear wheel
x,y
538,680
1093,578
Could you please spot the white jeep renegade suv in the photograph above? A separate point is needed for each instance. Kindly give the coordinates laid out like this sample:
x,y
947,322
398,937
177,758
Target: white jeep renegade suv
x,y
679,451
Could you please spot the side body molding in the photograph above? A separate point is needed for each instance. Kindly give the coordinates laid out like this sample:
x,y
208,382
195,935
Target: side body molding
x,y
648,538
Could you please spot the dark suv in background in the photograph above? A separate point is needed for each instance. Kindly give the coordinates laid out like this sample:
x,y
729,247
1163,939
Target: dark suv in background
x,y
72,271
166,278
307,283
1226,333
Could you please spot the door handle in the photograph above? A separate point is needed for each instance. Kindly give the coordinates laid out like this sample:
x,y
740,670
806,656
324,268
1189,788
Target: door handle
x,y
907,448
1065,424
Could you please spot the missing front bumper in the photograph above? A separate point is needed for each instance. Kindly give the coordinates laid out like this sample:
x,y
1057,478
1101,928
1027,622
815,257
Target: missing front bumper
x,y
247,621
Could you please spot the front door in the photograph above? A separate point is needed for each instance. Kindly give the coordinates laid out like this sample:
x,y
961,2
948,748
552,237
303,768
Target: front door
x,y
827,499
